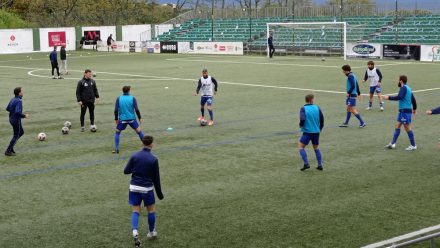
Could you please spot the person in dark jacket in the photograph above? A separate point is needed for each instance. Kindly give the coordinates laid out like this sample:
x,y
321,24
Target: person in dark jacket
x,y
15,109
86,94
63,57
270,45
145,178
54,62
110,41
95,42
81,42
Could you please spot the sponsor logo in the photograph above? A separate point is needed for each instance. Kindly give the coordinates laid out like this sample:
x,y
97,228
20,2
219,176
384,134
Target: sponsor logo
x,y
222,48
157,46
435,53
12,38
364,49
12,42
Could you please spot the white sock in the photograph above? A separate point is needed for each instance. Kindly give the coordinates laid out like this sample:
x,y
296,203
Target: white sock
x,y
135,232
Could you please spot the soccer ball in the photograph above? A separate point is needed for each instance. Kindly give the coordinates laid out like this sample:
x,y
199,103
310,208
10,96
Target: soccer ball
x,y
65,130
41,136
68,124
94,74
93,128
203,122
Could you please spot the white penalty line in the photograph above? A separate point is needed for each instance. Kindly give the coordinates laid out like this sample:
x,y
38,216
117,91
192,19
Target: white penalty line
x,y
251,63
194,80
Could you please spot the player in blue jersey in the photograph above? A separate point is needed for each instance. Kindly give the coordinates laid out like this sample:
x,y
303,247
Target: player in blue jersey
x,y
352,93
407,107
435,111
375,76
145,179
15,109
311,123
125,109
207,86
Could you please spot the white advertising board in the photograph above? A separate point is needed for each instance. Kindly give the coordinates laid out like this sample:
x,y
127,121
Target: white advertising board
x,y
430,53
162,28
69,38
151,46
230,48
104,32
364,50
184,47
16,41
136,32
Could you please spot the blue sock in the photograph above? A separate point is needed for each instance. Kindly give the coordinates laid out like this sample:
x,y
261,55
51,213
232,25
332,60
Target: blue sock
x,y
348,117
411,138
303,154
360,118
151,221
134,220
396,135
370,104
117,136
211,114
141,135
318,157
202,110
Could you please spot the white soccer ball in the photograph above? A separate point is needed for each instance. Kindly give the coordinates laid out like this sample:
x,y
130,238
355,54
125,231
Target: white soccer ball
x,y
65,130
203,122
41,136
93,128
68,124
94,74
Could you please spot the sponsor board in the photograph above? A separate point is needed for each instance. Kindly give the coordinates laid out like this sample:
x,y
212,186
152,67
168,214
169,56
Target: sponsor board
x,y
402,52
363,50
430,53
168,47
132,46
231,48
90,36
16,41
56,38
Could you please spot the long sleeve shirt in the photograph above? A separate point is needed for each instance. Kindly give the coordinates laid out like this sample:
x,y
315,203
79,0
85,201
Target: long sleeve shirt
x,y
352,85
144,169
311,119
15,109
436,111
407,101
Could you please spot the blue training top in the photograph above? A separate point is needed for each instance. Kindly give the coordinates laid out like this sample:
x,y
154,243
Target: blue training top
x,y
311,119
407,101
125,107
15,109
144,169
53,56
352,85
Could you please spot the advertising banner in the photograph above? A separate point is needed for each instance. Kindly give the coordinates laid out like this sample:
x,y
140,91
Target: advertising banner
x,y
57,38
132,46
50,37
91,32
230,48
363,50
90,36
401,51
16,41
168,47
185,47
430,53
151,46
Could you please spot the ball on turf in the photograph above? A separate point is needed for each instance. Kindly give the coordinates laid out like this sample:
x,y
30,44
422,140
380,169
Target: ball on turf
x,y
68,124
41,137
93,128
203,122
94,74
65,130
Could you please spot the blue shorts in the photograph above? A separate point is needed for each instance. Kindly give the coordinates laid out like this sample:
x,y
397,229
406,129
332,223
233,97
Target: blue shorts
x,y
206,100
123,124
351,102
404,118
307,137
136,198
376,89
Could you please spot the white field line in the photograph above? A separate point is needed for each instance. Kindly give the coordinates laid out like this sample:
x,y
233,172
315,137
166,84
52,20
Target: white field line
x,y
194,80
251,63
68,57
31,73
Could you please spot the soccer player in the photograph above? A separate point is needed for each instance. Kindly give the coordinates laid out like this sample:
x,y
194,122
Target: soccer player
x,y
311,123
407,107
110,40
435,111
63,57
15,109
86,94
270,44
54,62
145,178
352,93
375,77
125,107
207,85
95,42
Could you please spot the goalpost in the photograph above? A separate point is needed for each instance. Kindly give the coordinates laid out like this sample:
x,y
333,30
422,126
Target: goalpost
x,y
309,38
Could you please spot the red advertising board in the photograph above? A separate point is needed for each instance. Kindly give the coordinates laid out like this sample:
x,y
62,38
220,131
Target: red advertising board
x,y
57,39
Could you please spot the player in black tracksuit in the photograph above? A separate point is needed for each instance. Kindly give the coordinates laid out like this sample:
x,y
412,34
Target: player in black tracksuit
x,y
86,93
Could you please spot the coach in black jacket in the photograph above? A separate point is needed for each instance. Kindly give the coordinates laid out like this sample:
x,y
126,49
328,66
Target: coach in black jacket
x,y
86,93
